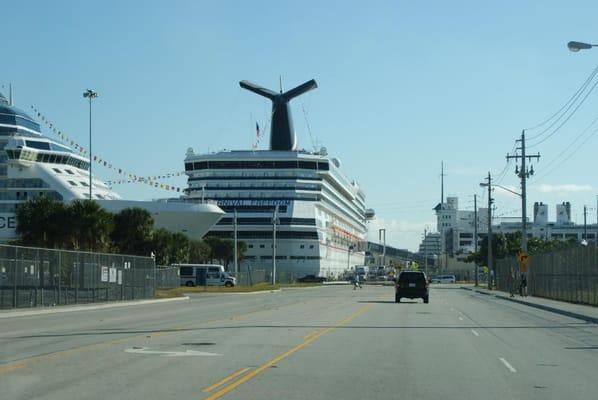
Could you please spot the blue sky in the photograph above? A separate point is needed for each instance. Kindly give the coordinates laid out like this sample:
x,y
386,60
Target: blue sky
x,y
402,86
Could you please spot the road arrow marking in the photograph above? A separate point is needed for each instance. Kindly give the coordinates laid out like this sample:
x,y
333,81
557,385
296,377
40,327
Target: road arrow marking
x,y
187,353
506,363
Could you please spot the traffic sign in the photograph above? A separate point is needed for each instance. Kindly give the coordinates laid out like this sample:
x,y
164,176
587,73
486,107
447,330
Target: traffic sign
x,y
523,259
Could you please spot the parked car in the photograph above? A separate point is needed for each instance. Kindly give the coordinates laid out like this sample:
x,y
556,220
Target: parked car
x,y
311,279
412,285
444,279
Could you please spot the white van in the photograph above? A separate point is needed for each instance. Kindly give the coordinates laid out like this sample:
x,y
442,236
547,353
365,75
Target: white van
x,y
444,279
205,275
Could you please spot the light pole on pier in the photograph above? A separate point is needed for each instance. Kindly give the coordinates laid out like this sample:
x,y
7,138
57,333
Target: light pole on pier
x,y
90,94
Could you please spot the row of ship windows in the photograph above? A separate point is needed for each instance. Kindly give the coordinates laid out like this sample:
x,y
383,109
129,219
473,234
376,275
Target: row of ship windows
x,y
263,246
268,221
262,164
23,183
253,209
254,176
265,234
24,195
47,158
257,187
262,197
10,119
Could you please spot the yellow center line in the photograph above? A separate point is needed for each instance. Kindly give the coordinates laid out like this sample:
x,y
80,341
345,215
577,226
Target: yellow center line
x,y
310,334
284,355
26,362
225,379
11,367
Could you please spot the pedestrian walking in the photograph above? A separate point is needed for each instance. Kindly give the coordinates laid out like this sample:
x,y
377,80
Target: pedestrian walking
x,y
523,285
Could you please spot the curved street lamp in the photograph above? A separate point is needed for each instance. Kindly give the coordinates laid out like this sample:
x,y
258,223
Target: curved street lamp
x,y
576,46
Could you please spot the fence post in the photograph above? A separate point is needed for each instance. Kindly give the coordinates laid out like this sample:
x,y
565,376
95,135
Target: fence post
x,y
14,278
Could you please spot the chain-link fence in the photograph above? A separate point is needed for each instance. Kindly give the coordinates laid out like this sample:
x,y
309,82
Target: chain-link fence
x,y
167,277
568,275
31,277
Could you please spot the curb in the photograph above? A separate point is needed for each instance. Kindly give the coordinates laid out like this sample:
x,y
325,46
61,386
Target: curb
x,y
236,293
555,310
86,307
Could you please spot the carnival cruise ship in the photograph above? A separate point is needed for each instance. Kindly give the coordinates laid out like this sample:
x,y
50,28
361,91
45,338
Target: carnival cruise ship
x,y
320,214
32,164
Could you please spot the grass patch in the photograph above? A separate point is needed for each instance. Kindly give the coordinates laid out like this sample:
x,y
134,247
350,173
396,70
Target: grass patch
x,y
258,287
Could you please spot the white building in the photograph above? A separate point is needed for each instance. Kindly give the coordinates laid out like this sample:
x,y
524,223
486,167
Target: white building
x,y
456,227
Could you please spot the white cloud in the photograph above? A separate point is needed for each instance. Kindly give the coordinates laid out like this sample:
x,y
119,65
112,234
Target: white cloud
x,y
564,188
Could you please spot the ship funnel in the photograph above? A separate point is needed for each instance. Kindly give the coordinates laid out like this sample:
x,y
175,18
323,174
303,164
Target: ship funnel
x,y
282,134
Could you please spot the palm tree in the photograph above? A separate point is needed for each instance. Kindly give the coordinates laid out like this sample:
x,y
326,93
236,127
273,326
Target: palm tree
x,y
90,225
132,231
40,222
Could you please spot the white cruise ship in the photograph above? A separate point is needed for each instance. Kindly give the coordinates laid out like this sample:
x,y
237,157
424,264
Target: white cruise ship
x,y
32,164
322,215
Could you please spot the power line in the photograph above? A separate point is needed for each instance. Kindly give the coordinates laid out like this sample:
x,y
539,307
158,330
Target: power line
x,y
568,157
571,99
566,119
566,149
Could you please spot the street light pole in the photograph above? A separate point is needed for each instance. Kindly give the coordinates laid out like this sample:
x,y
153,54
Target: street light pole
x,y
274,222
90,94
425,252
235,250
382,237
585,223
475,235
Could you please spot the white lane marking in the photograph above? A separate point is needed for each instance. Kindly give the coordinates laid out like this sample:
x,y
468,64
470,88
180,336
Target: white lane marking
x,y
506,363
460,318
475,332
145,350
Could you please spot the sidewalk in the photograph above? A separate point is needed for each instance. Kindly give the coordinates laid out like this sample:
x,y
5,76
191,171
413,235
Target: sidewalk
x,y
25,312
579,311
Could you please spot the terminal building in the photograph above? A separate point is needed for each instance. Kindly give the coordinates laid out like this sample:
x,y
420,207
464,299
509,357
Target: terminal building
x,y
456,228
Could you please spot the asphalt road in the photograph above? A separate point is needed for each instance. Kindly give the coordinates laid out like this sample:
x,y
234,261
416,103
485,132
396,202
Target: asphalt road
x,y
320,343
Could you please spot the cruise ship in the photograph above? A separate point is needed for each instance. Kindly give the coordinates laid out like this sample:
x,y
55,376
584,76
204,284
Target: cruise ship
x,y
32,164
320,214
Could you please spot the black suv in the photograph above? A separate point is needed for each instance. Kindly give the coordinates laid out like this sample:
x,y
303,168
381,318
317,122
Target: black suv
x,y
412,285
311,279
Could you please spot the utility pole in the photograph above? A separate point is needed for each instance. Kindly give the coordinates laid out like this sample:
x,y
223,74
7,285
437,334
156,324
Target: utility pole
x,y
475,234
442,236
491,271
235,250
274,222
523,173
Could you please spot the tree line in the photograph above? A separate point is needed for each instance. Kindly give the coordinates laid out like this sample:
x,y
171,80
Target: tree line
x,y
84,225
509,244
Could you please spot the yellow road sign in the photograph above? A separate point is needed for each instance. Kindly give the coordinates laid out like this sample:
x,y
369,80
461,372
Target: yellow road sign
x,y
523,259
